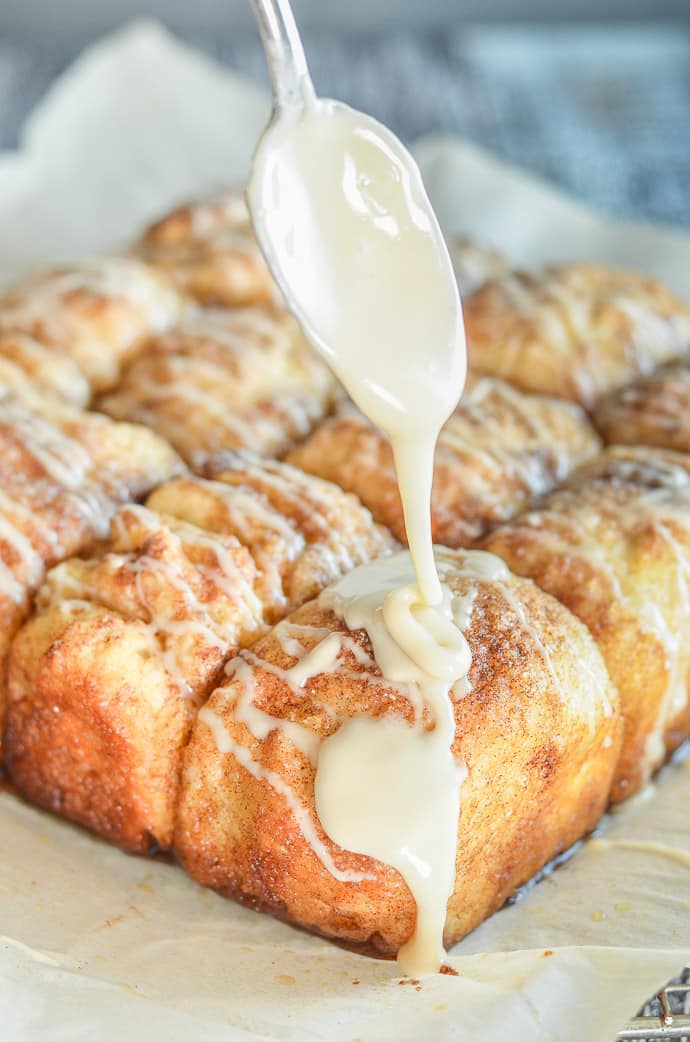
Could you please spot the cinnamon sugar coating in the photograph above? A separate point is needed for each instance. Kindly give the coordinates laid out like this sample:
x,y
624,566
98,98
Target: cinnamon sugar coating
x,y
614,547
96,314
106,676
209,250
226,380
499,451
578,331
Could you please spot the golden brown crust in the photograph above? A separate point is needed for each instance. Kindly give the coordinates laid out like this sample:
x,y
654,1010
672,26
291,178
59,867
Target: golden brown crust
x,y
654,410
474,264
499,451
579,331
539,737
47,369
63,473
302,532
96,314
614,547
208,248
107,674
226,380
104,679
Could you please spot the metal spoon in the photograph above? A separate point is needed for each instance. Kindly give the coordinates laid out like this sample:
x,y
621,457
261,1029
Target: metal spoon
x,y
287,64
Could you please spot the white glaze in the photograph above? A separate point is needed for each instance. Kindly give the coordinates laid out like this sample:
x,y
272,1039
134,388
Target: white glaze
x,y
378,778
342,215
341,211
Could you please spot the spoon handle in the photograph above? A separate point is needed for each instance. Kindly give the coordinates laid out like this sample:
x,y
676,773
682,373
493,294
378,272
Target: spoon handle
x,y
287,64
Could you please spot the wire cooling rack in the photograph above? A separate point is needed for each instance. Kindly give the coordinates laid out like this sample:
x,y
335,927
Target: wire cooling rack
x,y
670,1020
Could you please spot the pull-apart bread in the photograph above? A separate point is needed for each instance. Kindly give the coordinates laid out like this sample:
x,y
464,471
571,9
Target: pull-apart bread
x,y
537,732
497,453
62,474
179,675
226,380
209,250
614,546
577,331
654,410
107,676
96,314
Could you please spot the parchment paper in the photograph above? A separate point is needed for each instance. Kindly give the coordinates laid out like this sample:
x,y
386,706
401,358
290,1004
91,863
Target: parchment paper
x,y
98,946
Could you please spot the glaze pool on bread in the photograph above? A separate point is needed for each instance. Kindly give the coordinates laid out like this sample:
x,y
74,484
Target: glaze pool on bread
x,y
613,545
105,679
578,331
96,313
499,451
226,380
536,728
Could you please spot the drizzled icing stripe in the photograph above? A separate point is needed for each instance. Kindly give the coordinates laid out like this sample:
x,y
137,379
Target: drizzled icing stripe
x,y
227,579
43,299
302,816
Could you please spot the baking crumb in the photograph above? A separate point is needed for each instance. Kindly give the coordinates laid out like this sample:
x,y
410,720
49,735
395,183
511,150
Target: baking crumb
x,y
285,978
547,952
449,971
355,980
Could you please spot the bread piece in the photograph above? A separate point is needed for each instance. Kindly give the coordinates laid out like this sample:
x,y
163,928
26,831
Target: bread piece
x,y
106,677
577,331
538,732
499,451
96,313
302,532
48,370
63,472
226,380
474,264
614,546
208,248
654,410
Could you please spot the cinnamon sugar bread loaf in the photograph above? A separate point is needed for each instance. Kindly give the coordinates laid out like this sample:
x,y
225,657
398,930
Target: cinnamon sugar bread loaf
x,y
174,679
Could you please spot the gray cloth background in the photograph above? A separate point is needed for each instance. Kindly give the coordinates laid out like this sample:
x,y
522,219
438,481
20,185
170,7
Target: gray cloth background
x,y
602,111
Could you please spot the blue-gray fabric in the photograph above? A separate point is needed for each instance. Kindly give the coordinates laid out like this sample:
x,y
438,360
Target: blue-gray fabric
x,y
602,111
